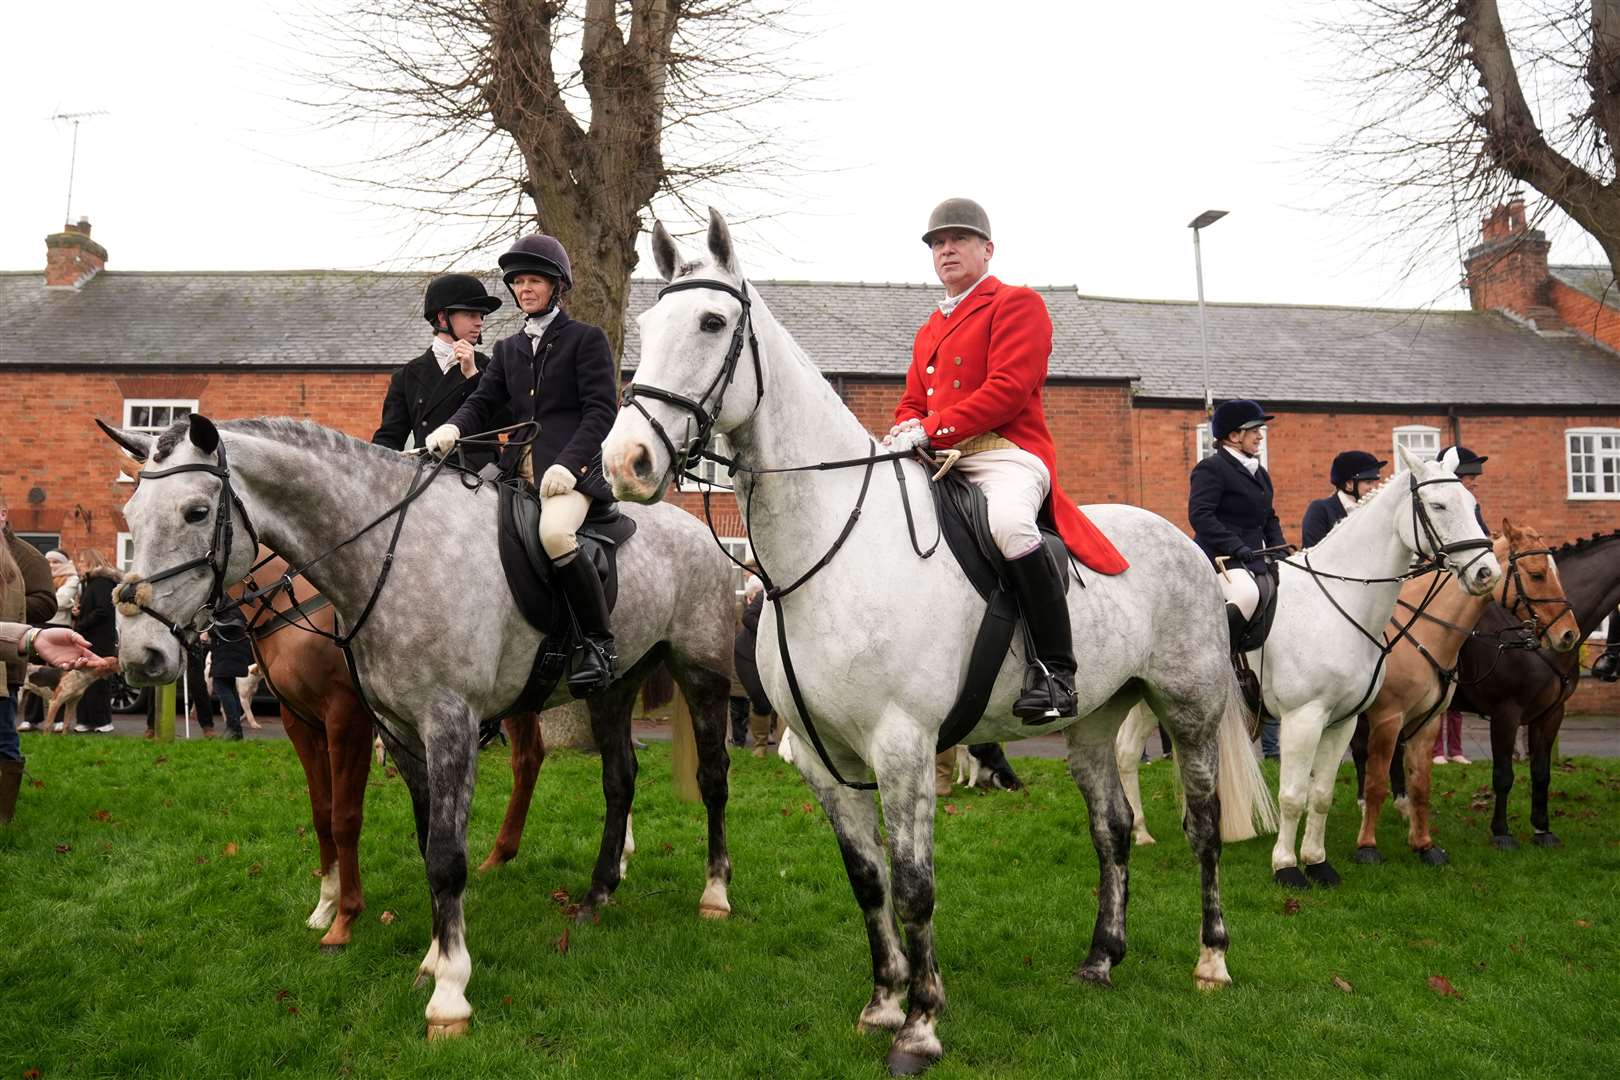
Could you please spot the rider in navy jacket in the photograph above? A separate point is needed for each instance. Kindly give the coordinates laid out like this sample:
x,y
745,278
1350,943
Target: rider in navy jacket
x,y
1353,472
1229,505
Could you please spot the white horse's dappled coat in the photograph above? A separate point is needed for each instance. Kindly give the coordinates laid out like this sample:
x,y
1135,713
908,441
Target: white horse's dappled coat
x,y
880,638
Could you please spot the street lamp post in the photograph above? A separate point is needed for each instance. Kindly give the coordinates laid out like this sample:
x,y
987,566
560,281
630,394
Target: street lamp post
x,y
1203,221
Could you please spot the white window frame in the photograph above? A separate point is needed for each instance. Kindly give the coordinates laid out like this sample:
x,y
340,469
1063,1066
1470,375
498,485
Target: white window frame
x,y
712,475
1600,456
124,551
1415,433
743,551
131,404
1204,444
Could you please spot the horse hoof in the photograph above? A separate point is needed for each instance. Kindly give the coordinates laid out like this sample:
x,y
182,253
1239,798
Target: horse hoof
x,y
1323,874
1546,839
908,1063
1290,877
454,1029
707,911
1211,984
1097,977
1504,843
1433,856
1367,856
1144,840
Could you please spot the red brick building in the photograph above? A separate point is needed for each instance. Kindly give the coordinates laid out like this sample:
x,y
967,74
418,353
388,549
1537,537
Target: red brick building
x,y
1529,376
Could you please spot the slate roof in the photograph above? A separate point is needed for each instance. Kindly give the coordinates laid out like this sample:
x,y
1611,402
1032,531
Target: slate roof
x,y
1278,353
1595,281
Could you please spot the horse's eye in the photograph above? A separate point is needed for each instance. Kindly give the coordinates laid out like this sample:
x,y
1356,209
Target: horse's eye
x,y
1538,575
712,324
196,515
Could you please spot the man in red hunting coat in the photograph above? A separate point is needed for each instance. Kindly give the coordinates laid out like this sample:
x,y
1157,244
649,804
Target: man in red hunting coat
x,y
974,385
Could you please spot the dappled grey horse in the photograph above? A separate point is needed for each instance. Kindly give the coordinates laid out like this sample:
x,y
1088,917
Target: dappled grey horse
x,y
441,644
879,637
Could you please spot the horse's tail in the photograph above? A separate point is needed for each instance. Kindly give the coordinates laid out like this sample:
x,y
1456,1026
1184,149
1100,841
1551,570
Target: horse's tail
x,y
659,688
683,754
1247,808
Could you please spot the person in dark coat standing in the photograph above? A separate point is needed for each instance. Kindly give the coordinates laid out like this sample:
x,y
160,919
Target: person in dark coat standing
x,y
1230,508
232,654
97,623
1353,474
558,372
742,657
427,391
1468,467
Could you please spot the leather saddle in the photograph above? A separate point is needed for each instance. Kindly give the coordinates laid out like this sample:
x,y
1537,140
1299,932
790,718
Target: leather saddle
x,y
964,521
1246,635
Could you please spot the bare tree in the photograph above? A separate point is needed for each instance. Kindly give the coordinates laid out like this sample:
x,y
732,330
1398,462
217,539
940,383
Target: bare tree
x,y
503,116
1444,127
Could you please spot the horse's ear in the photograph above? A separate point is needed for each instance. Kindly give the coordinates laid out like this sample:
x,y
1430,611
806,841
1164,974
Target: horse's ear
x,y
665,254
204,435
1409,461
720,242
137,444
1510,532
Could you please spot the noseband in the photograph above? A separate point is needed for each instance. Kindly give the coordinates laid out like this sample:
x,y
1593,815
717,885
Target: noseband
x,y
1515,584
217,560
697,441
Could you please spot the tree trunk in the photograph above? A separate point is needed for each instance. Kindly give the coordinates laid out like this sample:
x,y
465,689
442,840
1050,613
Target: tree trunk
x,y
568,725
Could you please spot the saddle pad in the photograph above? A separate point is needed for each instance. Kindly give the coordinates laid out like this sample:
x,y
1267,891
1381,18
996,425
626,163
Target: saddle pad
x,y
528,570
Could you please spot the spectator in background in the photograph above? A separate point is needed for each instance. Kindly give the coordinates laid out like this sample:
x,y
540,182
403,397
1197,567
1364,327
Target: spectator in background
x,y
232,655
761,717
25,596
95,621
1468,467
20,643
66,580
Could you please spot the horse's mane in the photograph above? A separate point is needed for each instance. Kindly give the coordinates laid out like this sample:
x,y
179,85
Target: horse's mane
x,y
305,434
1586,542
1366,498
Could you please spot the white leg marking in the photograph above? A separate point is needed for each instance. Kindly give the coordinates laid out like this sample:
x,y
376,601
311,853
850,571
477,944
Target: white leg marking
x,y
429,966
326,909
714,904
629,846
1211,973
448,1010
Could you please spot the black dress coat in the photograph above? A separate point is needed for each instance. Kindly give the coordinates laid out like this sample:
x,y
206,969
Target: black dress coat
x,y
566,385
232,651
96,620
1230,511
421,397
742,656
1320,517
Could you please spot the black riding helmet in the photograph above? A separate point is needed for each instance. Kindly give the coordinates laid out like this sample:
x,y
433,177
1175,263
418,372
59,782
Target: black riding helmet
x,y
456,292
538,254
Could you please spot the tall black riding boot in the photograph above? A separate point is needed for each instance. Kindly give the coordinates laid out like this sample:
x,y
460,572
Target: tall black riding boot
x,y
591,667
1049,678
1607,666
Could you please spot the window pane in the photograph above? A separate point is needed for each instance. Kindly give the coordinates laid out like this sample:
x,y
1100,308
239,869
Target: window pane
x,y
140,416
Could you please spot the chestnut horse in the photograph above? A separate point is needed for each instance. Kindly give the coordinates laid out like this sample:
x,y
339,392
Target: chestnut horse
x,y
331,731
1422,673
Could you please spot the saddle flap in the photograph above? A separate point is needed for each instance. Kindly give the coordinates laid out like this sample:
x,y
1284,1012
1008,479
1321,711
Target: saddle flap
x,y
527,567
964,518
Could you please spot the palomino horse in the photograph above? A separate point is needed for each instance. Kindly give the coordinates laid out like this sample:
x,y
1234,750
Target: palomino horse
x,y
1423,669
331,731
414,574
877,635
1322,663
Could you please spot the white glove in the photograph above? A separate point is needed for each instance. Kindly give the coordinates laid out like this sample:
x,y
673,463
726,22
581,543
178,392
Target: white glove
x,y
907,439
904,425
443,439
556,481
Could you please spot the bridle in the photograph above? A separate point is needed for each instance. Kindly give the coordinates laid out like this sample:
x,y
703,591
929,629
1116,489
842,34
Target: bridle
x,y
217,559
1515,584
699,410
1440,552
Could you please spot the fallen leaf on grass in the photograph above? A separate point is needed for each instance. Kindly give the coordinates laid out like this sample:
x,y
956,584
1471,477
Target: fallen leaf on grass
x,y
809,808
1447,794
160,759
1029,961
202,860
37,785
950,808
32,1074
1442,986
63,849
283,995
666,848
562,942
292,1010
101,815
387,918
230,848
507,1000
390,772
560,896
1584,924
1342,985
1291,906
255,870
1480,804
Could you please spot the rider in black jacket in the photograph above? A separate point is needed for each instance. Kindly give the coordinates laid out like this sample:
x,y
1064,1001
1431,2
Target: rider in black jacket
x,y
1353,474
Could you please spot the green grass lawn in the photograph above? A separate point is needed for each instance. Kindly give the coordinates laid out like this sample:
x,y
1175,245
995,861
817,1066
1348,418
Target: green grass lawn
x,y
155,897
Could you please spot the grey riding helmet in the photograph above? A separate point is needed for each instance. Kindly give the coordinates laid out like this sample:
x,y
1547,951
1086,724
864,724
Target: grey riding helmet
x,y
957,214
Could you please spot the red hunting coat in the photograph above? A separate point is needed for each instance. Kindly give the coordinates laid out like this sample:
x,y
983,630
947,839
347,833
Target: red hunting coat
x,y
981,370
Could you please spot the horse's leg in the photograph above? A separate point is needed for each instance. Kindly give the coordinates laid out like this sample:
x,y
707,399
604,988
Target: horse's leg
x,y
1091,762
1198,759
1397,777
413,770
528,751
708,696
349,736
1358,754
309,743
1133,736
853,816
1301,732
610,725
1419,783
905,776
451,740
1377,734
1330,750
1543,733
1504,732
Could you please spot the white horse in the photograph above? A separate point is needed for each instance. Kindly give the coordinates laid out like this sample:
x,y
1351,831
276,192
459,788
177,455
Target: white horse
x,y
879,638
1323,661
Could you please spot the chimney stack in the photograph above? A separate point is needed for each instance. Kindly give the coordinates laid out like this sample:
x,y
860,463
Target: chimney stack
x,y
71,257
1507,269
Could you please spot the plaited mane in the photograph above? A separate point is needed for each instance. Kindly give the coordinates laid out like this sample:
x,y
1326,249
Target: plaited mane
x,y
1586,542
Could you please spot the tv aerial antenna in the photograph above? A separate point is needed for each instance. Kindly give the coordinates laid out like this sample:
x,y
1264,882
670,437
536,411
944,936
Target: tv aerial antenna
x,y
75,118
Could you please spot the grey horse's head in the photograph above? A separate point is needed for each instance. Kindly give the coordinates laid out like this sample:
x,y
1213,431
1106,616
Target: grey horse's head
x,y
686,338
173,520
1449,507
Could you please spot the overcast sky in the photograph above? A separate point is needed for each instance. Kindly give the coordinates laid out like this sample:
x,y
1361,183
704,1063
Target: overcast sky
x,y
1092,134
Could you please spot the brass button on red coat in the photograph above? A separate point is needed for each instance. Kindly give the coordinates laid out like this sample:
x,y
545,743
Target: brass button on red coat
x,y
956,384
958,361
930,391
929,369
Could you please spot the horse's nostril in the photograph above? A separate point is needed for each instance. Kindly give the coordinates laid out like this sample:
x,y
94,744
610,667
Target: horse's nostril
x,y
641,463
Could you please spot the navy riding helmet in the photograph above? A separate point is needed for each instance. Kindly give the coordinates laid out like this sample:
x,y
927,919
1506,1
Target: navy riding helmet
x,y
1239,414
1354,465
1462,460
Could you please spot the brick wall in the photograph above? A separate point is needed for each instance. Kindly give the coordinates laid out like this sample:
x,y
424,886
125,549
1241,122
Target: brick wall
x,y
1582,314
